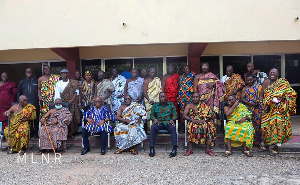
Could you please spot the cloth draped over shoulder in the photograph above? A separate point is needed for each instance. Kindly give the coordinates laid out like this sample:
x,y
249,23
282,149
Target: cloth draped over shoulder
x,y
119,84
135,88
129,135
211,95
201,133
66,95
98,115
47,93
171,87
19,131
154,88
104,88
58,131
186,90
234,82
276,122
239,133
87,93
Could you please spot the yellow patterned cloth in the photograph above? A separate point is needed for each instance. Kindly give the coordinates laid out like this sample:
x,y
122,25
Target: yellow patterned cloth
x,y
154,88
18,130
234,82
276,122
239,133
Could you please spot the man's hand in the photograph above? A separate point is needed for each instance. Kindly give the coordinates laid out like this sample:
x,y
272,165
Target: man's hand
x,y
40,98
101,123
90,121
234,91
253,104
171,122
155,122
120,96
70,102
65,121
151,102
200,122
6,113
241,120
236,103
261,106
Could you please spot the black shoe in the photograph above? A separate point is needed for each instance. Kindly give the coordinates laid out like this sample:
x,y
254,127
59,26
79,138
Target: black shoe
x,y
152,152
103,152
173,153
84,151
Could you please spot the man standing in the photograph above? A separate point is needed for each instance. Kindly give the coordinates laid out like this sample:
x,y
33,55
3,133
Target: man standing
x,y
127,72
186,88
210,89
78,76
250,97
278,99
104,88
169,85
96,119
163,115
46,84
200,128
28,86
234,84
259,76
119,82
8,92
18,132
134,87
65,90
151,90
87,92
129,131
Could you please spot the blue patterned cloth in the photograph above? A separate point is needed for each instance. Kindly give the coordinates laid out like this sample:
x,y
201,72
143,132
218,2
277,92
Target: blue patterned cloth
x,y
98,115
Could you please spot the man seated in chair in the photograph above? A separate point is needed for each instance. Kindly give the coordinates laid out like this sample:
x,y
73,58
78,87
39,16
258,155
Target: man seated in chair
x,y
163,115
17,132
97,118
200,127
54,130
130,131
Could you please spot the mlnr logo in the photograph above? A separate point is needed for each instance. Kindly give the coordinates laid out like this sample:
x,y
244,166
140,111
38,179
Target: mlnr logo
x,y
45,158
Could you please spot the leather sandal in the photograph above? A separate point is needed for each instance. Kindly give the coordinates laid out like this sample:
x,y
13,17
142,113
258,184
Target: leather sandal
x,y
227,153
133,152
188,152
211,153
247,153
118,151
261,148
273,153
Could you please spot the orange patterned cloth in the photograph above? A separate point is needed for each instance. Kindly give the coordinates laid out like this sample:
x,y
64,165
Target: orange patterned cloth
x,y
234,82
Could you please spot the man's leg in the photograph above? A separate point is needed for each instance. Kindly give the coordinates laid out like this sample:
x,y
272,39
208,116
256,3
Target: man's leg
x,y
153,131
85,139
103,140
172,130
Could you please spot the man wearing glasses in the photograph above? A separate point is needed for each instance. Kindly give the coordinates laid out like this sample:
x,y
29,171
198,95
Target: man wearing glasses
x,y
96,119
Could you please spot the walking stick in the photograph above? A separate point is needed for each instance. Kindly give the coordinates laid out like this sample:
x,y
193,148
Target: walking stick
x,y
8,129
50,139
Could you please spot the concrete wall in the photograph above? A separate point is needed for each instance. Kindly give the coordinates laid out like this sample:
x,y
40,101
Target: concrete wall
x,y
28,55
69,23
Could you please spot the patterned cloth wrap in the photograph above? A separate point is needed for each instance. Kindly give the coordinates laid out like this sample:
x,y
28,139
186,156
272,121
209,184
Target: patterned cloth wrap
x,y
88,93
171,89
154,88
239,133
276,122
58,132
104,88
119,84
19,131
129,135
47,93
204,133
234,82
98,115
186,90
135,88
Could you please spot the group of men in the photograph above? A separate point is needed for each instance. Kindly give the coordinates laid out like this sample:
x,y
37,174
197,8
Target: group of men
x,y
134,99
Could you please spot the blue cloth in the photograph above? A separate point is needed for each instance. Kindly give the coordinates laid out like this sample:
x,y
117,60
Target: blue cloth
x,y
98,115
126,74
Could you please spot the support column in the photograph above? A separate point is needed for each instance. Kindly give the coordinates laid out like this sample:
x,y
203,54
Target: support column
x,y
195,51
71,55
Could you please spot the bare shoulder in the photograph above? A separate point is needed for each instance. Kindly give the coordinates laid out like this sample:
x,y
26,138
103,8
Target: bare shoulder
x,y
42,78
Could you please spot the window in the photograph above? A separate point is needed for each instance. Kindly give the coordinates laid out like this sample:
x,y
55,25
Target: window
x,y
213,62
239,64
116,63
56,67
91,65
178,63
266,62
147,63
292,67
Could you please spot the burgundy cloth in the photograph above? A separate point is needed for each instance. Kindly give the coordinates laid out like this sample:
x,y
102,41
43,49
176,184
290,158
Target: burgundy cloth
x,y
8,95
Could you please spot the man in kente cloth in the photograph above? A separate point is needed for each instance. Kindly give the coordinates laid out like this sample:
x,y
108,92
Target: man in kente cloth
x,y
8,92
134,87
278,100
169,84
151,90
46,85
129,131
200,128
260,77
18,133
234,84
65,90
210,89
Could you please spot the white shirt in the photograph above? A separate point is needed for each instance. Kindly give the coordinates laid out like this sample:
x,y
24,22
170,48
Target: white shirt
x,y
224,78
59,88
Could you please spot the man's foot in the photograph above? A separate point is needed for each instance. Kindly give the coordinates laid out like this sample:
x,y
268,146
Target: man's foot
x,y
247,153
10,151
21,152
273,153
211,153
261,148
119,151
84,151
188,152
133,152
173,153
152,152
103,152
227,153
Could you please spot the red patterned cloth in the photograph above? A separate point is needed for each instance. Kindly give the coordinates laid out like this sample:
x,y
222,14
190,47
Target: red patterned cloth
x,y
171,89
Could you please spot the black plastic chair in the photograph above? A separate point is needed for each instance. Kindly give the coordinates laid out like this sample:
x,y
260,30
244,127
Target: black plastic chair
x,y
223,116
